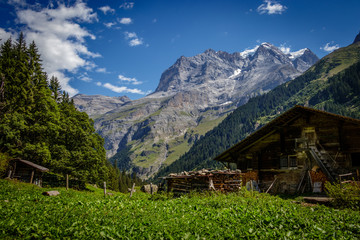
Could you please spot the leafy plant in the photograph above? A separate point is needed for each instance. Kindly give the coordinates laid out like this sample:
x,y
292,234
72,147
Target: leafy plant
x,y
345,195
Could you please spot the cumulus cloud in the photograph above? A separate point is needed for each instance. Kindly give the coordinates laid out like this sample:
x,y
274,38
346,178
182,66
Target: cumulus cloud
x,y
106,9
125,21
329,47
271,7
59,36
133,39
285,49
101,70
110,24
118,89
85,78
129,80
4,35
127,5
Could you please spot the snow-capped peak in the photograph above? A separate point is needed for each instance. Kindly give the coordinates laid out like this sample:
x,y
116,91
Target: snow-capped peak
x,y
294,55
248,52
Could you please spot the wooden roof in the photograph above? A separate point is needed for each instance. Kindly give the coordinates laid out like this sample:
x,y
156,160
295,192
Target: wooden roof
x,y
272,126
36,166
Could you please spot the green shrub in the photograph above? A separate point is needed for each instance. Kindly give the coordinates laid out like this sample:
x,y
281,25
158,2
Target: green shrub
x,y
4,163
345,195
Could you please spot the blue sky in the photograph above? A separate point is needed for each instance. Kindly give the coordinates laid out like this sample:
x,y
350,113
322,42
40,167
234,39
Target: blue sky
x,y
117,48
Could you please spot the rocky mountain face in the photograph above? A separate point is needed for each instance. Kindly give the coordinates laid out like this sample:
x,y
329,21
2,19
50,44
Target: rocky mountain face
x,y
193,96
96,105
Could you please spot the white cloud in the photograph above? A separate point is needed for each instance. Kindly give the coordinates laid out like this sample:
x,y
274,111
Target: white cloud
x,y
122,89
4,35
130,80
64,81
98,84
106,9
271,7
133,39
130,35
329,48
101,70
84,77
127,5
285,49
135,42
125,21
60,38
110,24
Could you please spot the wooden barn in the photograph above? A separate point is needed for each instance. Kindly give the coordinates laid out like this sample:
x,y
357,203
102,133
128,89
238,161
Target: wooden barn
x,y
26,171
301,149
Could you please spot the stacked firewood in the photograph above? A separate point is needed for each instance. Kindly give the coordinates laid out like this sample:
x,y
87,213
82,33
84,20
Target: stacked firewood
x,y
204,172
318,176
251,175
219,180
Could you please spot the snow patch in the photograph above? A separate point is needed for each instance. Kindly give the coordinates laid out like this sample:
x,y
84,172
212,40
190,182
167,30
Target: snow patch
x,y
236,73
226,103
248,52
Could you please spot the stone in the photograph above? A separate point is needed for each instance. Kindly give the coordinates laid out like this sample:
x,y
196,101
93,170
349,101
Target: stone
x,y
51,193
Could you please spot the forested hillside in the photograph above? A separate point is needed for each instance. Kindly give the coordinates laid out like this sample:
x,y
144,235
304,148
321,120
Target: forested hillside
x,y
39,123
332,85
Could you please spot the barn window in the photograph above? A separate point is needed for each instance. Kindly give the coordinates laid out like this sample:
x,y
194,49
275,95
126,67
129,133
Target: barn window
x,y
292,161
288,161
284,162
355,159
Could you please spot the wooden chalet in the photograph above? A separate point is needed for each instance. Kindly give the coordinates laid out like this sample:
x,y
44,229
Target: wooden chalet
x,y
301,149
26,171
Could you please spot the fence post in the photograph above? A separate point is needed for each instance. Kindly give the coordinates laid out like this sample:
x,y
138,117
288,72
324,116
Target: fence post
x,y
32,177
132,190
104,189
151,188
10,172
67,181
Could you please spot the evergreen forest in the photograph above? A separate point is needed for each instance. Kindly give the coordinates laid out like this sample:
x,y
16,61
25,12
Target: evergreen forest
x,y
39,122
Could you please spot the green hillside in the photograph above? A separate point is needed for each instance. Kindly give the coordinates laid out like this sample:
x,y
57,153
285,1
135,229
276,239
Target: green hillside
x,y
332,84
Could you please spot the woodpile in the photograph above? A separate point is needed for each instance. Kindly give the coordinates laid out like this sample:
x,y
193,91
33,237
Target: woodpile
x,y
202,180
251,175
318,177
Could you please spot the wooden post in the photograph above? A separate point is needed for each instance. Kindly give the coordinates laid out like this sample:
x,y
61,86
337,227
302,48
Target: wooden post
x,y
132,190
211,185
104,189
271,185
151,189
67,181
9,176
311,182
32,177
13,174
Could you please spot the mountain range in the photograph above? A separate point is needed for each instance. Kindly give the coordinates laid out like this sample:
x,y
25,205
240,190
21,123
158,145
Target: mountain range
x,y
193,96
332,84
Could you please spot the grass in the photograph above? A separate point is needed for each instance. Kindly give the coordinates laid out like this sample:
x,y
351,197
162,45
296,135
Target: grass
x,y
27,214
